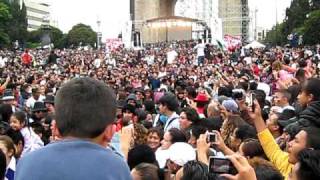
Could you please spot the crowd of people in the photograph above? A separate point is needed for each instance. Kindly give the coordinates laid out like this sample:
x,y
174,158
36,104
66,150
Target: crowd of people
x,y
181,110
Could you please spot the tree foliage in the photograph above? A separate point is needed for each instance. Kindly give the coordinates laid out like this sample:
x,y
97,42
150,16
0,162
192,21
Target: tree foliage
x,y
81,34
311,28
315,4
4,13
296,15
301,18
55,34
17,27
5,16
276,36
13,22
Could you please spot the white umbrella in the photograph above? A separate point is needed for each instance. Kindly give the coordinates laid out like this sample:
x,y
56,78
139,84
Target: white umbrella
x,y
254,45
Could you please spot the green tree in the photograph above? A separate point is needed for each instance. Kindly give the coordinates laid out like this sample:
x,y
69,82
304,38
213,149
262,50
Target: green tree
x,y
296,15
17,26
62,42
5,16
4,13
81,33
34,36
276,36
295,22
311,28
315,4
56,36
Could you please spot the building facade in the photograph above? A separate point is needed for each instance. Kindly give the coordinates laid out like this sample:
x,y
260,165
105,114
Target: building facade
x,y
204,10
38,13
235,18
261,34
143,10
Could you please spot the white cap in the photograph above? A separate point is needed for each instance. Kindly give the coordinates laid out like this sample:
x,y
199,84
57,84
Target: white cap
x,y
180,153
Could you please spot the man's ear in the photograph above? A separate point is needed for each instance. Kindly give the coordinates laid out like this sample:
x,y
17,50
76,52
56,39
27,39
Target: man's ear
x,y
108,133
310,97
135,119
11,152
54,129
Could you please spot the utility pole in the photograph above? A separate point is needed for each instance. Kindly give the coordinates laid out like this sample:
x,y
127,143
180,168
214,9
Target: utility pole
x,y
276,20
255,23
99,34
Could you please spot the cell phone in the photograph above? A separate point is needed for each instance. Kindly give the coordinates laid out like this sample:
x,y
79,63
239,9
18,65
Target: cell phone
x,y
211,137
218,165
250,101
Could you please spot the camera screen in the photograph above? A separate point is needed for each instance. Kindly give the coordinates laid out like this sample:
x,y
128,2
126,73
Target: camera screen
x,y
249,100
219,166
211,138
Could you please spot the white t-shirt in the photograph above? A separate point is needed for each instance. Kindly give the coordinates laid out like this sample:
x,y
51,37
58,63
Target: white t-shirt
x,y
248,60
111,62
171,56
162,74
2,62
150,60
30,102
200,49
97,63
172,122
31,140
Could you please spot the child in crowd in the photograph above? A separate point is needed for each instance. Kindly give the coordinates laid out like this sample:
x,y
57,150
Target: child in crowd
x,y
32,140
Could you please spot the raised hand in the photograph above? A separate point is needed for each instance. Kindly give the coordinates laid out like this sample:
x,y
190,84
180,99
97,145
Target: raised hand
x,y
245,171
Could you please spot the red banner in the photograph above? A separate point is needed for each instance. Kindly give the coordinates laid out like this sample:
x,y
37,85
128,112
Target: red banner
x,y
232,42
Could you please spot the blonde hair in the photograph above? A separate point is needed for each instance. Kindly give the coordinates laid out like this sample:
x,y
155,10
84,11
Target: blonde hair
x,y
8,143
277,65
232,122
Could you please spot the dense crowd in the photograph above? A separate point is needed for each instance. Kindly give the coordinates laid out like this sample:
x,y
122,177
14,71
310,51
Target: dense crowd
x,y
181,110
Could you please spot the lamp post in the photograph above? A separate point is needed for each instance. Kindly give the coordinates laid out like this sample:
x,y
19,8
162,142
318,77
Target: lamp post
x,y
276,28
99,34
255,24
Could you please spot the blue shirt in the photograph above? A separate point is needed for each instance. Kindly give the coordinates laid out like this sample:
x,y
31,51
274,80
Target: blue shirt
x,y
72,160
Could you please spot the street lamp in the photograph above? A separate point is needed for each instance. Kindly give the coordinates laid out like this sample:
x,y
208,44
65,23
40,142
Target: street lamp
x,y
255,24
99,34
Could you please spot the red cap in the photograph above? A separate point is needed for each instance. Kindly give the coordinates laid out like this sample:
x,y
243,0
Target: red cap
x,y
201,97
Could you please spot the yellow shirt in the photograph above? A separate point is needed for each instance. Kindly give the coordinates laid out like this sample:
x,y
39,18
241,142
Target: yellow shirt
x,y
278,157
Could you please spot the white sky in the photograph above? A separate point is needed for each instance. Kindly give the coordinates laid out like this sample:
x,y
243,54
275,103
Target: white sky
x,y
114,13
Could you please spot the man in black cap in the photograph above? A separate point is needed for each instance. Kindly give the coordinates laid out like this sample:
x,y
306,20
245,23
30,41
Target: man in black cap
x,y
39,112
8,98
128,116
49,103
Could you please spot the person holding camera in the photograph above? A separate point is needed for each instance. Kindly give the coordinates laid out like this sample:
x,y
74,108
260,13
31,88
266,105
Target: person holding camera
x,y
241,164
306,138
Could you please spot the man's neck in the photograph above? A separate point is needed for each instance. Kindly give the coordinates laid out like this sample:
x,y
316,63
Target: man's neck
x,y
169,113
285,104
97,140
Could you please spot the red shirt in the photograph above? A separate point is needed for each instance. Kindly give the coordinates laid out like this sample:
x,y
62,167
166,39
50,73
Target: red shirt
x,y
26,58
256,70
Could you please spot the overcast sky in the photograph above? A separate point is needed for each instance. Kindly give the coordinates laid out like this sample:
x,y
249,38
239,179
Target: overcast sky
x,y
114,13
